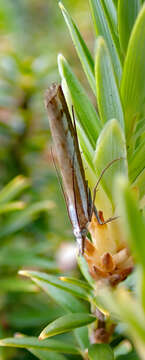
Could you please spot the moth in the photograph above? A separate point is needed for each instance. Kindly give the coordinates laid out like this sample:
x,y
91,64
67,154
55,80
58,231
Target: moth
x,y
76,191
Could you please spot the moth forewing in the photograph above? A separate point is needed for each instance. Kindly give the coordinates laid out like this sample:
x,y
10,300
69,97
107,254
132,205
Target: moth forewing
x,y
69,160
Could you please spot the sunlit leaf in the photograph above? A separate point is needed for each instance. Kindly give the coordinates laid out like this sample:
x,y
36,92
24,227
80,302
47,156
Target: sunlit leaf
x,y
81,47
133,220
108,97
101,27
86,113
14,188
110,146
53,280
126,17
133,84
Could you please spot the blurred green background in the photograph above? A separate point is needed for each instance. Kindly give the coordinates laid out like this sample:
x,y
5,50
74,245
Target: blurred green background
x,y
32,229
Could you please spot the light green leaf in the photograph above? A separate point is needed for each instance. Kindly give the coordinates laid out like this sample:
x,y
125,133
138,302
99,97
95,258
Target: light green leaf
x,y
81,48
110,146
17,222
133,84
101,27
66,323
12,206
62,297
137,162
14,188
126,17
125,305
133,220
85,270
53,280
33,342
76,281
108,97
111,13
100,352
140,184
85,111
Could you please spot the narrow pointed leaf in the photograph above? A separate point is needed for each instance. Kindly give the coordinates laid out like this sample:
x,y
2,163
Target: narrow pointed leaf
x,y
81,48
17,222
111,18
86,113
134,222
77,282
53,280
137,162
110,146
33,342
14,188
108,96
101,27
100,351
62,297
133,84
12,206
85,270
110,9
66,324
126,17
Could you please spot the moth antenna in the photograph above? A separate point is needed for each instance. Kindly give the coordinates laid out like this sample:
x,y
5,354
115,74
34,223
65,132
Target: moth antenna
x,y
96,186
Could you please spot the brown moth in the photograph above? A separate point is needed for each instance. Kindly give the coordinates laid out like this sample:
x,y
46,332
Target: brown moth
x,y
111,266
76,191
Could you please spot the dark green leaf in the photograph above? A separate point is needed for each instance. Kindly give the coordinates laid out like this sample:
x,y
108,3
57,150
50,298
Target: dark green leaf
x,y
66,323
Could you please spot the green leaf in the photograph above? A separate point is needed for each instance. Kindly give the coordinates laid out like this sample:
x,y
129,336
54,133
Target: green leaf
x,y
111,14
53,280
45,355
62,297
17,222
140,184
133,84
137,162
77,282
133,220
101,27
14,284
85,270
110,145
81,48
126,17
125,305
100,352
81,335
108,97
85,111
66,323
14,188
32,342
12,206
